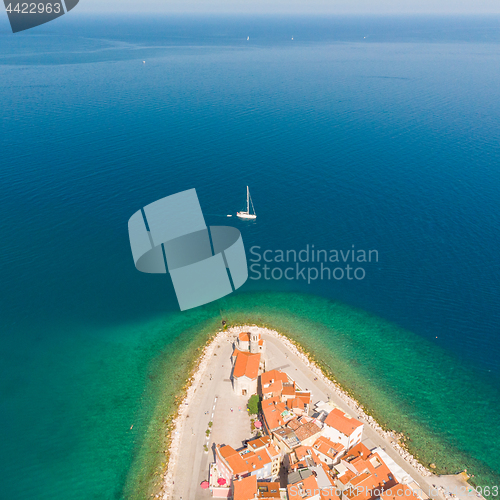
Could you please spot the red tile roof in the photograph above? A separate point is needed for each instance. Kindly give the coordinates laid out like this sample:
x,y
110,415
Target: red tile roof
x,y
294,424
305,396
227,451
246,365
245,489
244,461
307,430
270,401
372,476
360,450
275,388
244,337
233,459
273,451
257,443
273,375
340,421
272,415
329,493
256,460
295,403
327,447
309,487
306,451
268,490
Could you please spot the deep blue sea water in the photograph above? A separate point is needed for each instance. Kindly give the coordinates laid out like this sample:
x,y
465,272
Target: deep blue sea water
x,y
382,133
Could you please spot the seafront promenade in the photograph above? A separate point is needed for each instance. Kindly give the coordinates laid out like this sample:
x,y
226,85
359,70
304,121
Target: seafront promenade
x,y
212,399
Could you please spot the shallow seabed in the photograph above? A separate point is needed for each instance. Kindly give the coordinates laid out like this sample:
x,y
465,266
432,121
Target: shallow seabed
x,y
406,383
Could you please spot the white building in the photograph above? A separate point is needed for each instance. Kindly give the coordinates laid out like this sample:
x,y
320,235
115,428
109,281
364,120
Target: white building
x,y
341,428
248,362
245,372
328,451
252,342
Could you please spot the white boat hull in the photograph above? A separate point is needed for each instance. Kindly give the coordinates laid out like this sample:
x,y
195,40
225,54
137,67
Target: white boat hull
x,y
245,215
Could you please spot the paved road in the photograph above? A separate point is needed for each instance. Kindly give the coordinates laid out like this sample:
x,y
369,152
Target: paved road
x,y
216,397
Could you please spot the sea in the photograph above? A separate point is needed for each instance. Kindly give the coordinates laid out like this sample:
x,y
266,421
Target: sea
x,y
352,133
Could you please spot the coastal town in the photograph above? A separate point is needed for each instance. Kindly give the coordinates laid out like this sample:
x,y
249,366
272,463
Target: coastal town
x,y
261,421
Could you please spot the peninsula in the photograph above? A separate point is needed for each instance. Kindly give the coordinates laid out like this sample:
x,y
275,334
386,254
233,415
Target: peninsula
x,y
261,420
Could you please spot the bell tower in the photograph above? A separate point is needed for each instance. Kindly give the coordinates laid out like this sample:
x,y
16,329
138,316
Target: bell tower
x,y
254,342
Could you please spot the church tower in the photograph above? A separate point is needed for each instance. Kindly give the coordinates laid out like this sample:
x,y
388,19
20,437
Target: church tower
x,y
254,343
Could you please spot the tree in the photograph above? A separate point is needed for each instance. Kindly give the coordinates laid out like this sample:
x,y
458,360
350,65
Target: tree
x,y
254,404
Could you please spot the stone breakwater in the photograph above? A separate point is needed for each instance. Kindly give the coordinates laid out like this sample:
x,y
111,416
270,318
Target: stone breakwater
x,y
194,382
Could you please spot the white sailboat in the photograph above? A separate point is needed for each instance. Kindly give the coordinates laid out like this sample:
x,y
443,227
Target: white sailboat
x,y
247,214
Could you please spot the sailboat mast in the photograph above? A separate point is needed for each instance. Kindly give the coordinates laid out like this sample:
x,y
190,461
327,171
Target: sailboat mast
x,y
248,214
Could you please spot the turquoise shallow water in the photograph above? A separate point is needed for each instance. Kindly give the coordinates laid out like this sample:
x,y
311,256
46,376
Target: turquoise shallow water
x,y
410,386
389,143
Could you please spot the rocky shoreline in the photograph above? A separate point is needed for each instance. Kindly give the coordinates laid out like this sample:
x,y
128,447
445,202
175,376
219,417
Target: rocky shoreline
x,y
194,382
